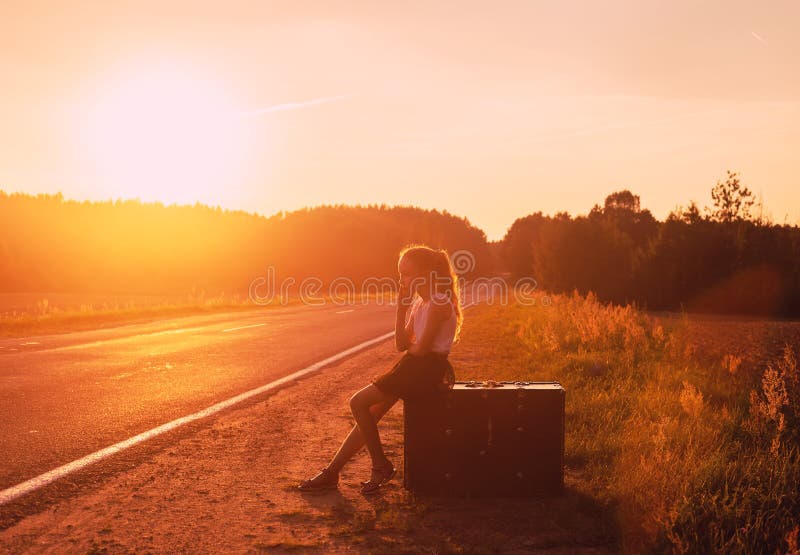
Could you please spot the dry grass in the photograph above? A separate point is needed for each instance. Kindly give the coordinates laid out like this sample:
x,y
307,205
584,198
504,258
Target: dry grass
x,y
684,456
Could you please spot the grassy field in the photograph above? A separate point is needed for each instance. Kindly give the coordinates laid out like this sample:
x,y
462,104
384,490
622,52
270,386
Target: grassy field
x,y
683,432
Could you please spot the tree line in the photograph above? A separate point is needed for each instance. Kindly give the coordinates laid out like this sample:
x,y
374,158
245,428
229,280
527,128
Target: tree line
x,y
49,244
725,259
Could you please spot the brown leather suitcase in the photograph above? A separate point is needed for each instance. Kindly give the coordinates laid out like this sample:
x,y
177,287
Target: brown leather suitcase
x,y
486,439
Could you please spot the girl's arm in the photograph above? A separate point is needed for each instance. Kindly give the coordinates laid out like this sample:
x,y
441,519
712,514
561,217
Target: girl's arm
x,y
437,315
403,332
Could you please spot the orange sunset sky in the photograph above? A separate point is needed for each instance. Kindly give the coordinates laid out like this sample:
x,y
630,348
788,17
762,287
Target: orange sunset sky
x,y
489,110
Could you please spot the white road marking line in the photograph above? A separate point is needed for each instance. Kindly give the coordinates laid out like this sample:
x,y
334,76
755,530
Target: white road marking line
x,y
244,327
167,332
131,337
31,343
344,311
51,476
48,477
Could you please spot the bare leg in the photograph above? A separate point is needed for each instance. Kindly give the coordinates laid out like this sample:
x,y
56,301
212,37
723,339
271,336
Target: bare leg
x,y
354,441
360,404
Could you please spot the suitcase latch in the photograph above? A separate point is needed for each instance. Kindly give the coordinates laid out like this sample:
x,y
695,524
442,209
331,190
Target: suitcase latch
x,y
487,383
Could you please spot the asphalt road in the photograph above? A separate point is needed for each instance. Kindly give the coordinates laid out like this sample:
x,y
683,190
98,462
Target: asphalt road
x,y
65,396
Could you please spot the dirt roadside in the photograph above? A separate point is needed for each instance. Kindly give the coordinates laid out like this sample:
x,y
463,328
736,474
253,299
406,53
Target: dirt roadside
x,y
230,488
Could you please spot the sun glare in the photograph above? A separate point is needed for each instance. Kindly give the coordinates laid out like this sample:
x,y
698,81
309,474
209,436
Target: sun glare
x,y
165,134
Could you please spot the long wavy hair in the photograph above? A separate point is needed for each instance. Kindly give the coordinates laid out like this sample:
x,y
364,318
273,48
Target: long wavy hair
x,y
436,263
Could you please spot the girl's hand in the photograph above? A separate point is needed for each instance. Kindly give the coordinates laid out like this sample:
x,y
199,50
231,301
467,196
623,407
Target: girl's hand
x,y
404,296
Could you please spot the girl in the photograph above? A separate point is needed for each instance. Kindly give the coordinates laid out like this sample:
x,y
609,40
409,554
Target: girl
x,y
429,291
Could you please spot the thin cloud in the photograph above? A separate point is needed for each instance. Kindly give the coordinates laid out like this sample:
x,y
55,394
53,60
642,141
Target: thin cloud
x,y
294,105
760,39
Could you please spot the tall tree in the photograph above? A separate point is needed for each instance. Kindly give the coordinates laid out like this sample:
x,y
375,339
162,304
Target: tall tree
x,y
732,201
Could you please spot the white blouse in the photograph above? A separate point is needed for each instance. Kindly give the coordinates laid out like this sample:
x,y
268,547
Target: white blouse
x,y
419,312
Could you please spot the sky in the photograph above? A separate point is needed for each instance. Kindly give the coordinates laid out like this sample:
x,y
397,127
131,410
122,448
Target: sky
x,y
489,110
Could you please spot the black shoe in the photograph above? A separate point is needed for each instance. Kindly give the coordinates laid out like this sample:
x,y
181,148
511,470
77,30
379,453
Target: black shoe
x,y
325,480
380,476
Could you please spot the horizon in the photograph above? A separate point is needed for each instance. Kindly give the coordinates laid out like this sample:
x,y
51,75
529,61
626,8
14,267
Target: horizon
x,y
312,207
491,114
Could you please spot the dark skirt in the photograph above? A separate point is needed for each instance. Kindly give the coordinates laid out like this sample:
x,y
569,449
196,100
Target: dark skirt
x,y
417,376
